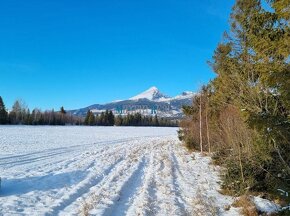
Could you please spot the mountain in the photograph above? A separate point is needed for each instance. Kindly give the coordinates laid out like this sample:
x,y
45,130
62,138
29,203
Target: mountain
x,y
151,94
149,102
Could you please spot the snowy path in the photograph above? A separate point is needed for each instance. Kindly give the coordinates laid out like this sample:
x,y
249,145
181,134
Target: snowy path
x,y
104,171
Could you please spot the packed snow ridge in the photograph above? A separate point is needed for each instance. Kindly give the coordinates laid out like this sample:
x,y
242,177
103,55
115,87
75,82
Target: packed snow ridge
x,y
104,171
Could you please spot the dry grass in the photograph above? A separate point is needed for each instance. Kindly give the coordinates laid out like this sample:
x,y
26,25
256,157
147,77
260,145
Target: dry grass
x,y
248,208
203,205
96,198
85,209
226,192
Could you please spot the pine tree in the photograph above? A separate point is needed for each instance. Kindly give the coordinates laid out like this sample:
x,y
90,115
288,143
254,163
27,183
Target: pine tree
x,y
102,119
63,116
111,118
119,120
92,119
156,121
62,110
3,113
86,122
27,118
253,79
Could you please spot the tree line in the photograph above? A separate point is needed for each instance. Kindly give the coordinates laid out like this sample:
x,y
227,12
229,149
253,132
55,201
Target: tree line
x,y
107,118
20,114
243,115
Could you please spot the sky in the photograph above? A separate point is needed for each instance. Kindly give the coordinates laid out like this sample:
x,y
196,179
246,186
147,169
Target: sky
x,y
76,53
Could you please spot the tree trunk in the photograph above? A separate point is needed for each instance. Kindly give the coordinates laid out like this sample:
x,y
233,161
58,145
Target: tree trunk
x,y
206,122
241,165
200,125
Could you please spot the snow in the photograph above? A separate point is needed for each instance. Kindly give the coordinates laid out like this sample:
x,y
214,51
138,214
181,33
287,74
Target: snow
x,y
154,94
151,94
105,171
184,95
264,205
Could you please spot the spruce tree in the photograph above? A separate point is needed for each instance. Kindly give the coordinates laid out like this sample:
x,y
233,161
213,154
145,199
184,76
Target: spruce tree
x,y
111,118
156,121
119,120
252,66
92,119
62,110
3,112
102,119
86,122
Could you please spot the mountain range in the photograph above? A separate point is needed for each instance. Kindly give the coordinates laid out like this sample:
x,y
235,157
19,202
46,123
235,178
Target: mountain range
x,y
149,102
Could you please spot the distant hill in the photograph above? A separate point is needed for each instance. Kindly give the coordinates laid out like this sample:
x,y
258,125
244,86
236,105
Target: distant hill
x,y
149,102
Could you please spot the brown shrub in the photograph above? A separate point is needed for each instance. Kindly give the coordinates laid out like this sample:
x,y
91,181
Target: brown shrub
x,y
248,207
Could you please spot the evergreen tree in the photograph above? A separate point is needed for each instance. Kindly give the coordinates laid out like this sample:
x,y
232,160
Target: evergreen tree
x,y
27,118
106,118
156,121
253,79
245,114
92,119
102,119
111,118
3,113
63,119
119,120
62,110
86,122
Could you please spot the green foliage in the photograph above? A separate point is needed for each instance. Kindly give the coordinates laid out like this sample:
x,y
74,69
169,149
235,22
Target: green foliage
x,y
108,118
138,120
92,119
20,114
253,75
62,111
190,142
249,100
86,121
3,112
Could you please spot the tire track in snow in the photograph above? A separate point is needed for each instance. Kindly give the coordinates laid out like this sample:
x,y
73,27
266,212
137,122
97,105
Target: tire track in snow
x,y
82,189
36,157
80,160
128,191
165,190
144,202
109,190
58,174
102,156
178,183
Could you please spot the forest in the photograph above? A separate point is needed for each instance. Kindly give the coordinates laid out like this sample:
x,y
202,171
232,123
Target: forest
x,y
21,115
107,118
242,117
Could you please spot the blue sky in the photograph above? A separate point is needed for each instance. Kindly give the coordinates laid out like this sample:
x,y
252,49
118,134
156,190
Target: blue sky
x,y
75,53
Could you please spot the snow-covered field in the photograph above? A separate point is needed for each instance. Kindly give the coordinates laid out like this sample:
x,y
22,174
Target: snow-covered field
x,y
104,171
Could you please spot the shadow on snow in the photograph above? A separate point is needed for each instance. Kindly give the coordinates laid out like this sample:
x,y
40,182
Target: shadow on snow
x,y
40,183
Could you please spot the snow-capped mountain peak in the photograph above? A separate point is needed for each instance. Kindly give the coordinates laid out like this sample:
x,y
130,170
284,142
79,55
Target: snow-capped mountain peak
x,y
187,93
151,94
149,102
